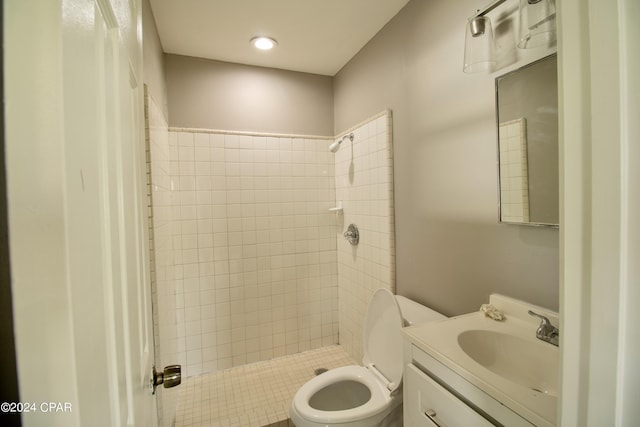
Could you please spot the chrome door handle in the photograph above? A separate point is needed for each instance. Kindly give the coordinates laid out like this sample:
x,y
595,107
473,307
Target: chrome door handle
x,y
171,376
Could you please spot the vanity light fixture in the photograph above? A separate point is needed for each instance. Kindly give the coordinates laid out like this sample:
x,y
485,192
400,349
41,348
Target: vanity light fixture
x,y
537,23
537,28
478,46
264,43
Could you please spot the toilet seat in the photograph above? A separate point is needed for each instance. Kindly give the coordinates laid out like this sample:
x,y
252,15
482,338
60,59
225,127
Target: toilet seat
x,y
380,396
382,338
382,373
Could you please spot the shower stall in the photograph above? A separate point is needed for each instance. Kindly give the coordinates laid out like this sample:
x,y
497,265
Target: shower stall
x,y
249,263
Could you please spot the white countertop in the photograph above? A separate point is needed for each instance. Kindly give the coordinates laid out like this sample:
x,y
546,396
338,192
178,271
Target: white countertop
x,y
440,340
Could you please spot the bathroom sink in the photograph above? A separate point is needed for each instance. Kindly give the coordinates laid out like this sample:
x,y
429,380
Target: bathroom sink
x,y
503,359
533,365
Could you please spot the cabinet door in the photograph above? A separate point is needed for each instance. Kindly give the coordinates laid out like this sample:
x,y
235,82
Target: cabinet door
x,y
427,403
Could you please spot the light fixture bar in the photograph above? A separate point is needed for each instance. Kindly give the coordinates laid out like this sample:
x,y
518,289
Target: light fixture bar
x,y
488,8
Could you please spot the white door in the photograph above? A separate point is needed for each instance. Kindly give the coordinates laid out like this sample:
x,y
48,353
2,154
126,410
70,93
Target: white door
x,y
77,211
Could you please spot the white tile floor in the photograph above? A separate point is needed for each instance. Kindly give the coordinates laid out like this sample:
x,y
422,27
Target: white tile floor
x,y
257,395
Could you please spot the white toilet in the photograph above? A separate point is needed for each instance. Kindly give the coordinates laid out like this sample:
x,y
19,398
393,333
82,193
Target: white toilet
x,y
369,395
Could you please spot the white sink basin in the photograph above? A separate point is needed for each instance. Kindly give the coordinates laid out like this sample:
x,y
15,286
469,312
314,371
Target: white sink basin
x,y
529,364
502,358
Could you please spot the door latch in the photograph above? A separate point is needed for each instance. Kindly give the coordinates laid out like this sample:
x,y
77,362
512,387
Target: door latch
x,y
171,376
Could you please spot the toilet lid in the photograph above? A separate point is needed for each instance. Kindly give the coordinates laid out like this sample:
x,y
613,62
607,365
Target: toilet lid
x,y
382,337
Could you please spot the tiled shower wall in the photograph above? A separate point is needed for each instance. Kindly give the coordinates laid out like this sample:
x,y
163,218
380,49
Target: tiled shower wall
x,y
253,248
249,262
364,184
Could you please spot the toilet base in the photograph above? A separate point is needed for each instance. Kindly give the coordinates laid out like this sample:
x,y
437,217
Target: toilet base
x,y
392,419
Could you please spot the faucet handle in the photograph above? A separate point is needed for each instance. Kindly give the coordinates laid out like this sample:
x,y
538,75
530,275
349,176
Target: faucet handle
x,y
546,331
543,320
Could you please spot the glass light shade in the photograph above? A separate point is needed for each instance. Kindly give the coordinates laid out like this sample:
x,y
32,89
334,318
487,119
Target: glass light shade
x,y
537,23
478,46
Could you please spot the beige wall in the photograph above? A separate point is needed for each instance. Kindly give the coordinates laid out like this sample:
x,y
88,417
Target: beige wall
x,y
153,56
221,95
451,252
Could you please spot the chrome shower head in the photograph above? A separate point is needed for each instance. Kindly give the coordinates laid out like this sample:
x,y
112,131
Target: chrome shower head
x,y
336,145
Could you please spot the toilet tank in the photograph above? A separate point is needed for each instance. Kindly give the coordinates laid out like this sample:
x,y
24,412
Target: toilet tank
x,y
414,313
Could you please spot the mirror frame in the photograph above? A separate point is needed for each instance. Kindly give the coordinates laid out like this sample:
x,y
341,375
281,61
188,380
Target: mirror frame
x,y
530,224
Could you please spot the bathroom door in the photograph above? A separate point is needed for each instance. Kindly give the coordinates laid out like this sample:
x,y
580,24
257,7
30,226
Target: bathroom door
x,y
122,209
77,211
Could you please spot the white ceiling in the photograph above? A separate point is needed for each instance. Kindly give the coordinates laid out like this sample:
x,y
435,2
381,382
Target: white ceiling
x,y
314,36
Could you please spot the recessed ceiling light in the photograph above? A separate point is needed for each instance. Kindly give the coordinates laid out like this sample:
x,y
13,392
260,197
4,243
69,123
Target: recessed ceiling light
x,y
264,43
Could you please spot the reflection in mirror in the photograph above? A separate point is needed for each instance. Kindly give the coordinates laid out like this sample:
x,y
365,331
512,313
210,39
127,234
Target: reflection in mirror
x,y
527,116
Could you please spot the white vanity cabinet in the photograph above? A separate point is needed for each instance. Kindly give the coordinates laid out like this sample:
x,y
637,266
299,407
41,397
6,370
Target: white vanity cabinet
x,y
427,403
435,395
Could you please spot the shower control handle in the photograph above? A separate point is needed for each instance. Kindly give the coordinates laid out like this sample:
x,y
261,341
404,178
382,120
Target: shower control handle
x,y
171,376
352,234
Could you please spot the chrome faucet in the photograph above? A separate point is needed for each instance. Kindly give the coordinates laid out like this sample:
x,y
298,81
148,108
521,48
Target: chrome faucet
x,y
546,331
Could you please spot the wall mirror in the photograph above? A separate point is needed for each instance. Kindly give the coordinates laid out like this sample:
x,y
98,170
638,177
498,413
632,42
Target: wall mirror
x,y
527,119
